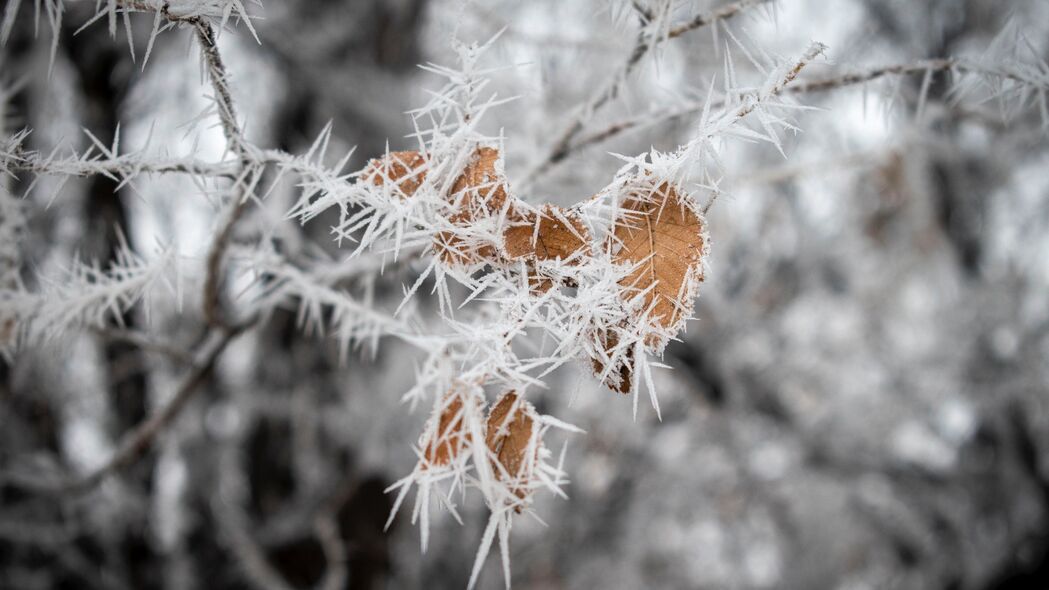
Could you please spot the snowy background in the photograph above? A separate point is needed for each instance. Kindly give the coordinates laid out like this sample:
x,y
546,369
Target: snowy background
x,y
862,401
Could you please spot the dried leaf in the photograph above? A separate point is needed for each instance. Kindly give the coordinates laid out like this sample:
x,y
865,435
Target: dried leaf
x,y
7,332
538,283
663,237
480,189
403,168
479,192
455,251
620,378
554,233
509,431
449,439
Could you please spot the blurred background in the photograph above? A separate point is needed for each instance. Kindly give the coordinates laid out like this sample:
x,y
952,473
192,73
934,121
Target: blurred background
x,y
863,401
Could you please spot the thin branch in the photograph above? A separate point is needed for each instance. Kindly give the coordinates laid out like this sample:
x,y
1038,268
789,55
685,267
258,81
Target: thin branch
x,y
217,252
148,343
251,557
803,87
849,79
563,146
135,444
326,529
220,83
121,168
138,441
724,13
814,51
235,142
645,12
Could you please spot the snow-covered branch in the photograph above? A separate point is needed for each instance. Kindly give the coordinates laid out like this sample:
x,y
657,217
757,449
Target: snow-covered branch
x,y
89,296
657,29
1019,82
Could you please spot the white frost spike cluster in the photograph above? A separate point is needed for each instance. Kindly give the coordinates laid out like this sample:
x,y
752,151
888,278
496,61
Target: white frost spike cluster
x,y
372,212
52,11
352,322
62,164
503,457
168,13
544,285
444,454
88,296
1012,72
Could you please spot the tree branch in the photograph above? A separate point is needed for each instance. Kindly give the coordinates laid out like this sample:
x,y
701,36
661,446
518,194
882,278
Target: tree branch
x,y
135,444
563,146
235,143
932,66
146,342
138,441
335,574
121,168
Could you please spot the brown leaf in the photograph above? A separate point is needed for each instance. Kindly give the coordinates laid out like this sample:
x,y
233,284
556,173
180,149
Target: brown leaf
x,y
478,192
538,283
454,251
661,234
480,189
400,167
449,439
508,433
547,236
620,377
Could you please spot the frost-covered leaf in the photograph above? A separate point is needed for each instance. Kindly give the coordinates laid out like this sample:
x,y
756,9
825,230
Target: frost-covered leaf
x,y
553,233
479,192
620,377
481,187
406,170
538,284
446,442
662,236
510,435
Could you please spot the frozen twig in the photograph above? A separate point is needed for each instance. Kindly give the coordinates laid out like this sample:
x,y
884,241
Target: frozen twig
x,y
123,168
924,67
352,322
139,440
135,443
148,343
220,83
703,19
646,39
235,143
326,529
86,295
814,51
250,556
198,15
